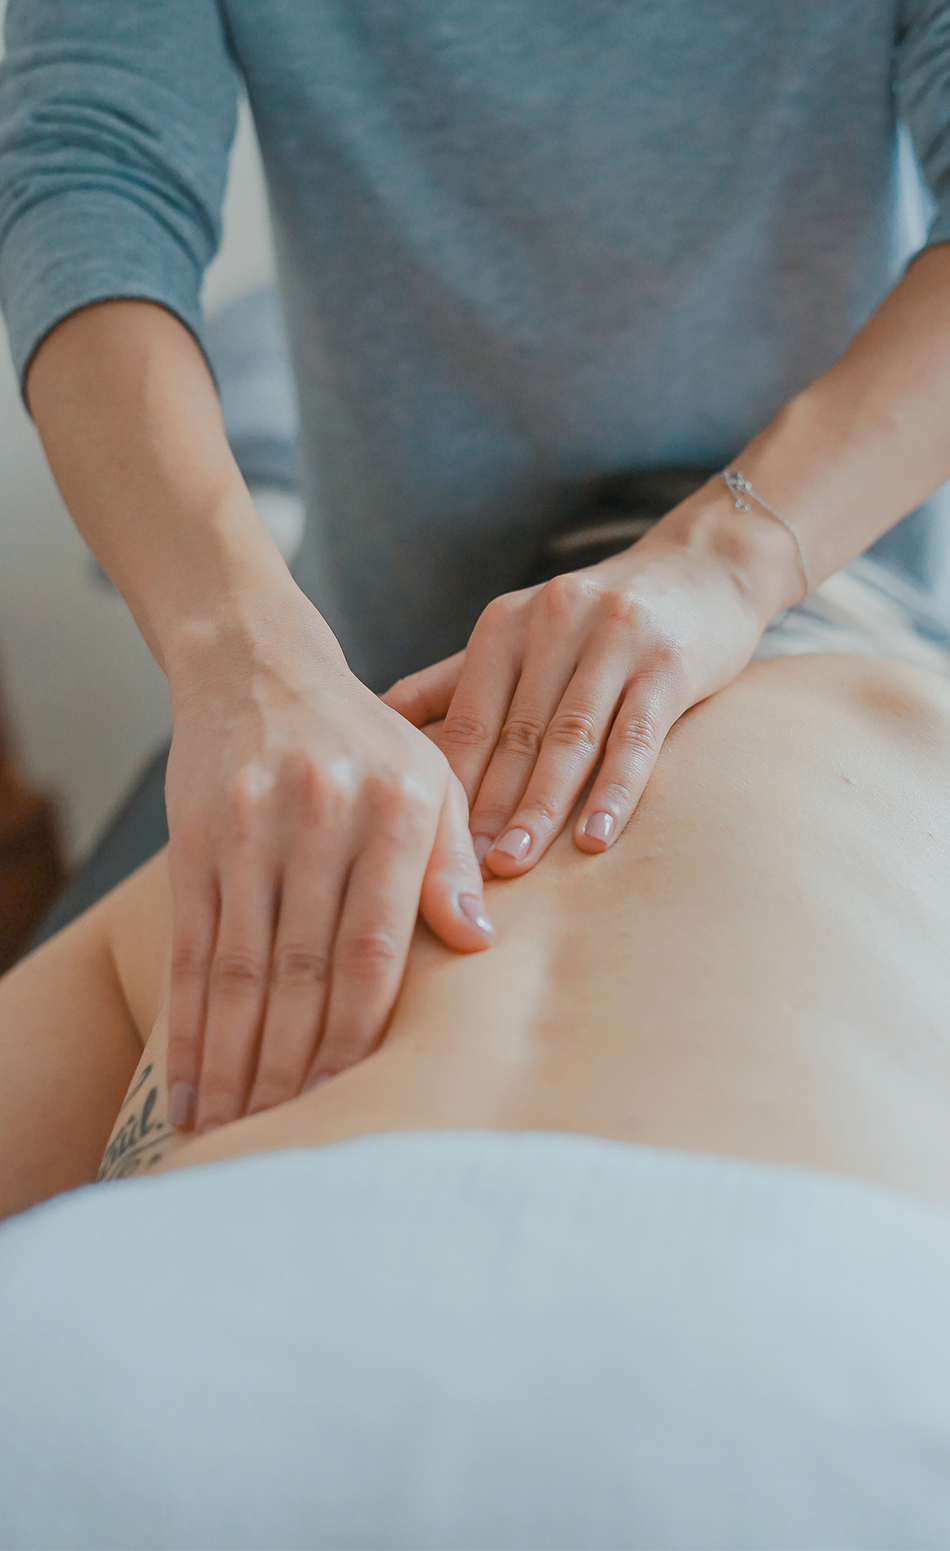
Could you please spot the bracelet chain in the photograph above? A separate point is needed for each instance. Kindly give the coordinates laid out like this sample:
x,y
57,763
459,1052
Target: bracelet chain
x,y
741,488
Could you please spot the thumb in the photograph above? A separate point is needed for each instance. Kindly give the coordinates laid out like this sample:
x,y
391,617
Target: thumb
x,y
426,696
453,900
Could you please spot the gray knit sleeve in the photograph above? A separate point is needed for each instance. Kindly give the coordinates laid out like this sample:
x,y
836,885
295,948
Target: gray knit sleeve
x,y
922,85
116,119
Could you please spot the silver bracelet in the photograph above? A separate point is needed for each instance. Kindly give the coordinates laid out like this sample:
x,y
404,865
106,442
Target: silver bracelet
x,y
741,487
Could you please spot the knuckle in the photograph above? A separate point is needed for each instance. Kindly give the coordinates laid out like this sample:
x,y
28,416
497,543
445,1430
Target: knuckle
x,y
463,730
387,787
297,967
616,795
244,799
662,651
522,735
406,694
401,802
457,863
623,609
500,610
370,953
566,593
221,1093
637,736
237,972
319,794
313,789
344,1048
414,792
577,730
540,813
671,663
383,796
189,835
413,703
181,1053
490,820
189,962
273,1085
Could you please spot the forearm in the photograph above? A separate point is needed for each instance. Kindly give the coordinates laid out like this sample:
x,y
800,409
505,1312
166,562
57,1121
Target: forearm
x,y
129,417
869,440
855,451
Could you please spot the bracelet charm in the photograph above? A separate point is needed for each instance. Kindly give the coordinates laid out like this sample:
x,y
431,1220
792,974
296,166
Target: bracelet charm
x,y
744,493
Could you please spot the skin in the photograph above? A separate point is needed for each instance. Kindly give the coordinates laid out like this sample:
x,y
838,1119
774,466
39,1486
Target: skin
x,y
308,820
757,969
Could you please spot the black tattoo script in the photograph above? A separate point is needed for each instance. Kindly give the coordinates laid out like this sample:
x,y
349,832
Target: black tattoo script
x,y
146,1074
140,1135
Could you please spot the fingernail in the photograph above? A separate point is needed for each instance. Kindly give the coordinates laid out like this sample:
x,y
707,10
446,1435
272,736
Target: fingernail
x,y
516,843
600,826
481,845
474,910
182,1099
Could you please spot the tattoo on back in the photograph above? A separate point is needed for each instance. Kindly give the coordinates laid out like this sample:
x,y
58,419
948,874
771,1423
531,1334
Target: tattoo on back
x,y
140,1140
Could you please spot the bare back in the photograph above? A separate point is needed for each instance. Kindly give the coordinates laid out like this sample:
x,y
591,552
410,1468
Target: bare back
x,y
758,968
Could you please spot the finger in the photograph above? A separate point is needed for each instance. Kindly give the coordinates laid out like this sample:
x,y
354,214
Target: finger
x,y
237,990
369,954
548,673
571,746
299,974
453,900
486,685
649,709
195,906
425,696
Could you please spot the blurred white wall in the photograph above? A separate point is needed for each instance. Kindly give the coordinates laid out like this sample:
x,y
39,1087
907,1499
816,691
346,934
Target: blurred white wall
x,y
87,702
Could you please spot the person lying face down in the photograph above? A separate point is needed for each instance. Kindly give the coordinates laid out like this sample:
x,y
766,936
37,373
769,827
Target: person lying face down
x,y
758,969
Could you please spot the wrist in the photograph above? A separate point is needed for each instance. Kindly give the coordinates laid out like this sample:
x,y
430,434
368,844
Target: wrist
x,y
755,553
218,592
251,637
250,622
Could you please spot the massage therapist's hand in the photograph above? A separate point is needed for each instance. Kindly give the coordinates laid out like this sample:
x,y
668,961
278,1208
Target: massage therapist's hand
x,y
307,821
597,665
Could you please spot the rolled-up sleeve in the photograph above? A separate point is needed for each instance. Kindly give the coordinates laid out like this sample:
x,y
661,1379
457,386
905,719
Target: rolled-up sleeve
x,y
116,120
922,84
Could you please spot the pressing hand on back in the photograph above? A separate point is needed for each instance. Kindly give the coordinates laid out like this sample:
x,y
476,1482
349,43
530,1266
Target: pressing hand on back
x,y
309,823
592,668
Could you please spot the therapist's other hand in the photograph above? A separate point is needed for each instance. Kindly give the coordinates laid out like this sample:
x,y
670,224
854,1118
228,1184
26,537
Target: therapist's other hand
x,y
596,666
308,824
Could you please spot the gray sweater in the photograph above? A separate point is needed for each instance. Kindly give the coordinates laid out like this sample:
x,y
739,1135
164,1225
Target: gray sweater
x,y
523,244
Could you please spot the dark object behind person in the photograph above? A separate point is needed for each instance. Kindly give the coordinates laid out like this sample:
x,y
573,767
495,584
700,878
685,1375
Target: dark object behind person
x,y
31,864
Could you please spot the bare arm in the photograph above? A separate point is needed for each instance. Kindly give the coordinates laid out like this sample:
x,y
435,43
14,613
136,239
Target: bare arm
x,y
602,663
869,440
73,1020
306,819
130,421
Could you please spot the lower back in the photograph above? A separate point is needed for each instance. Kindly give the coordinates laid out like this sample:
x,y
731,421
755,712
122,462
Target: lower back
x,y
757,968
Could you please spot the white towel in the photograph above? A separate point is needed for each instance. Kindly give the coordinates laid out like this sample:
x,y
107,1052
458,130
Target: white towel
x,y
477,1340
